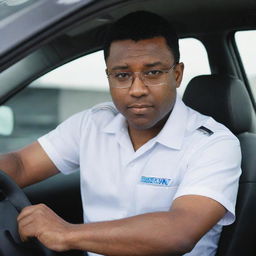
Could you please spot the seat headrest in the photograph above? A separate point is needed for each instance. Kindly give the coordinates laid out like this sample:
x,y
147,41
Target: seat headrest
x,y
225,98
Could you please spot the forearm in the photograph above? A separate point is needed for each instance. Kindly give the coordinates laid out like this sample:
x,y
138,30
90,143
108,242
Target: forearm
x,y
147,234
28,165
12,165
162,233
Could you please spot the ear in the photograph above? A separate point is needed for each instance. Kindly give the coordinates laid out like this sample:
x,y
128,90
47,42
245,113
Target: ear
x,y
178,71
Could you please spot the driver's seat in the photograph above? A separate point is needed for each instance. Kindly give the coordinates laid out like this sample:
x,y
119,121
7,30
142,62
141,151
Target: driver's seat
x,y
225,98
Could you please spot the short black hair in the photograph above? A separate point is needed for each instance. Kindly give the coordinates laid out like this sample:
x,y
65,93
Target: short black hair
x,y
142,25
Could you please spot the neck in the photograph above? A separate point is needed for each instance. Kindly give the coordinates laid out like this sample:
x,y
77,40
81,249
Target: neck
x,y
140,137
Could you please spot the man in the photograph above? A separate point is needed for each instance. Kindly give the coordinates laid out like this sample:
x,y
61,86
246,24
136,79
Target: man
x,y
157,177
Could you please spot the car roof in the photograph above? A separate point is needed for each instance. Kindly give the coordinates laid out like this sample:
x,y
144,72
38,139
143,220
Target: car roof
x,y
188,17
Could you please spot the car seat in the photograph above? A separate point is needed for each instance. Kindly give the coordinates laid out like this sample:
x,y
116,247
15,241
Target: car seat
x,y
226,99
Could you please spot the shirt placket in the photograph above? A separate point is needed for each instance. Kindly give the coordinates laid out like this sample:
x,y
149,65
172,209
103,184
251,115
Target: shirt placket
x,y
132,165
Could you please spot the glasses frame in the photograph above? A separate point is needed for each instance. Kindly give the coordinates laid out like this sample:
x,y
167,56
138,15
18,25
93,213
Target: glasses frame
x,y
138,74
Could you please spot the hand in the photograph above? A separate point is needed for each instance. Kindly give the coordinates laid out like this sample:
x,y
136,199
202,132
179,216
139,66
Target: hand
x,y
41,222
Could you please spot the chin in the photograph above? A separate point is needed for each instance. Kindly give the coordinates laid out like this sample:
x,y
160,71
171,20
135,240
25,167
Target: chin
x,y
141,126
143,123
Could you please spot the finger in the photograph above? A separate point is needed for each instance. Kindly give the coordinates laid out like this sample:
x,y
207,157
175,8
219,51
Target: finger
x,y
26,221
30,210
26,231
26,211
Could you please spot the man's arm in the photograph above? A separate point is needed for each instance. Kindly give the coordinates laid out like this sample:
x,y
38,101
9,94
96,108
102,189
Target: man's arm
x,y
162,233
28,165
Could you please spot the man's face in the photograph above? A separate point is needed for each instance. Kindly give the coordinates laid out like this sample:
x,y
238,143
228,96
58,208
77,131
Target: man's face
x,y
144,107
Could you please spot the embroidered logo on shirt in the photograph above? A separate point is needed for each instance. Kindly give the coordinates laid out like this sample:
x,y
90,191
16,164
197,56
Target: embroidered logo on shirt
x,y
155,181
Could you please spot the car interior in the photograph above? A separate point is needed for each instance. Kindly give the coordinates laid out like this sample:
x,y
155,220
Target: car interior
x,y
226,93
227,90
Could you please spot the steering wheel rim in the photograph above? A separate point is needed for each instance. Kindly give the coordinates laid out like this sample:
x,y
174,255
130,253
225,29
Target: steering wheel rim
x,y
17,198
13,192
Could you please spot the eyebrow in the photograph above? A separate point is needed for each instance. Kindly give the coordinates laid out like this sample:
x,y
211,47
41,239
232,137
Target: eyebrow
x,y
148,65
120,67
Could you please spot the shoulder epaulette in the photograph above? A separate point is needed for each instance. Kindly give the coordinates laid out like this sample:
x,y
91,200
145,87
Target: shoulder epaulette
x,y
205,130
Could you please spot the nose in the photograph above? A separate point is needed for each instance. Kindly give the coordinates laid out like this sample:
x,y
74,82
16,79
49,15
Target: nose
x,y
138,88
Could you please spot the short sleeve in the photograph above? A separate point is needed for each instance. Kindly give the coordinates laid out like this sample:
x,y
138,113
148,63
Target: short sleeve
x,y
62,144
213,171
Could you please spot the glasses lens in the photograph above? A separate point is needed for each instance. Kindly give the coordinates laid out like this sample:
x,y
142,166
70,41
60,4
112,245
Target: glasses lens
x,y
155,78
120,79
149,78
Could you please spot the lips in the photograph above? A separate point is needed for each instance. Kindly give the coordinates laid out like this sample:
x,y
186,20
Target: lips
x,y
140,108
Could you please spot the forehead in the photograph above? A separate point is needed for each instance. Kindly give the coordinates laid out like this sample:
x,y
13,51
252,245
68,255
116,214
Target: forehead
x,y
129,52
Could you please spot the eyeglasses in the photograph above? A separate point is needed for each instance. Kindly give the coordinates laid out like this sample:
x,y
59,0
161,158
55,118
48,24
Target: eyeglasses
x,y
150,78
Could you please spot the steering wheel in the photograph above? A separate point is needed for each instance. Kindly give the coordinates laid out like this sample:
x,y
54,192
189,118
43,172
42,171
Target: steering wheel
x,y
12,201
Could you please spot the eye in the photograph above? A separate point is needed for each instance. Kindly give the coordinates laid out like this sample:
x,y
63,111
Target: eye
x,y
122,75
152,73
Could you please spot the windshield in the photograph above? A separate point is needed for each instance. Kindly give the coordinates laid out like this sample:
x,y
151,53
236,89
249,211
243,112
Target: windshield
x,y
13,7
20,20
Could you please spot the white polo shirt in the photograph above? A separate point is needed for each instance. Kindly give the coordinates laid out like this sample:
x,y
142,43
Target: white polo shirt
x,y
193,154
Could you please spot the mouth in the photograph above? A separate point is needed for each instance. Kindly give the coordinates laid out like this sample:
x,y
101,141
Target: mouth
x,y
140,108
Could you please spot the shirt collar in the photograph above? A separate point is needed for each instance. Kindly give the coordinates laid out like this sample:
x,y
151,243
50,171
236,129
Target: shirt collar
x,y
172,133
117,124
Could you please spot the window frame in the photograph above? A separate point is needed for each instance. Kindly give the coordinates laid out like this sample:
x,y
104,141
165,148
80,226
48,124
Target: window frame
x,y
240,67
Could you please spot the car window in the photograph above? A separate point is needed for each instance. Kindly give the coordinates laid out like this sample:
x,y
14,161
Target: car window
x,y
246,41
75,86
194,56
80,84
